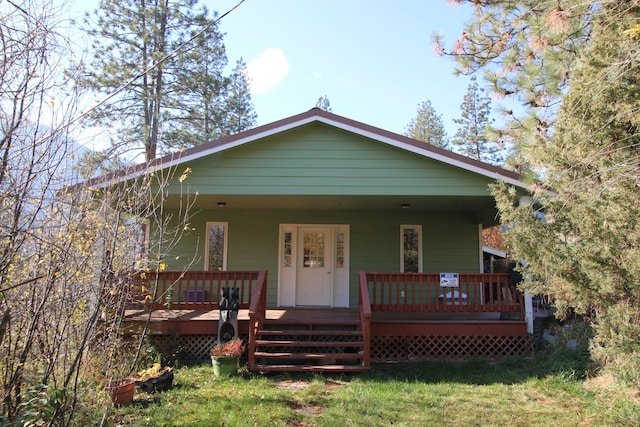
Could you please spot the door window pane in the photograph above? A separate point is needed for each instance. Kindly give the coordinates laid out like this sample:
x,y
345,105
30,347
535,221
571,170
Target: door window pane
x,y
313,249
340,250
287,249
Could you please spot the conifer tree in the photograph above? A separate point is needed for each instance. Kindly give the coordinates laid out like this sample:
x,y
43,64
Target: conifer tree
x,y
471,138
526,49
427,126
575,66
165,61
239,112
196,113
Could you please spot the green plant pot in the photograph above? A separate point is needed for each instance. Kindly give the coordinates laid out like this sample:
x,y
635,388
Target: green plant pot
x,y
224,366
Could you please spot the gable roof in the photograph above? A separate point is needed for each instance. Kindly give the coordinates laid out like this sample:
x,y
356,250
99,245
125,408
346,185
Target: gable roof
x,y
313,115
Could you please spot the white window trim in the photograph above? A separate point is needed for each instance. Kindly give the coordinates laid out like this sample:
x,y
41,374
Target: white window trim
x,y
206,243
410,227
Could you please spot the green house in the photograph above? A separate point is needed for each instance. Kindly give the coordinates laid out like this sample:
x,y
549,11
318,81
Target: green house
x,y
315,199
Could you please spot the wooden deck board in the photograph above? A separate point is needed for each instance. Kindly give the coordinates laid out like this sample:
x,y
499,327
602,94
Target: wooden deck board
x,y
281,315
205,322
312,316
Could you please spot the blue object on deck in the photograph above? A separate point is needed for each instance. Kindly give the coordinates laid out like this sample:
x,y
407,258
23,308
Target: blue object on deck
x,y
194,296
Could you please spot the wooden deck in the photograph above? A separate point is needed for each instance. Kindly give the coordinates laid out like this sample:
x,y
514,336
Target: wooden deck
x,y
196,322
398,317
394,336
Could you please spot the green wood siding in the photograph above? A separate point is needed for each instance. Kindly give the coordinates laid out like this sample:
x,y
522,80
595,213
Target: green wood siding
x,y
450,242
317,159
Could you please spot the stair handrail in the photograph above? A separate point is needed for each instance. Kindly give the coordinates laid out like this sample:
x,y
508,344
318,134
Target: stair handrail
x,y
257,314
364,310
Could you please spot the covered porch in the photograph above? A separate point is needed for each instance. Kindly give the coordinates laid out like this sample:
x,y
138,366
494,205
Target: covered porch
x,y
399,316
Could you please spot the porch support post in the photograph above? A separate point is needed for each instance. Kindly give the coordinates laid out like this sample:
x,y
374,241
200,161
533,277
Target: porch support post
x,y
528,310
480,249
528,300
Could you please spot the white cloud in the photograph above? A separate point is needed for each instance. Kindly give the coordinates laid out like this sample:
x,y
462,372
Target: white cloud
x,y
267,70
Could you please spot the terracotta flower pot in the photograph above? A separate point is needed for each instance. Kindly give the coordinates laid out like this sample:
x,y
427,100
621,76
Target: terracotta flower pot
x,y
121,391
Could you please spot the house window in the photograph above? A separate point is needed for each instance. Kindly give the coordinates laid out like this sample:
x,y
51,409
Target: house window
x,y
340,250
411,248
287,249
216,250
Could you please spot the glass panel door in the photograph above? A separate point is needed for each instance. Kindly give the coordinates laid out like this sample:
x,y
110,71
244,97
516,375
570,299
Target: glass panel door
x,y
314,279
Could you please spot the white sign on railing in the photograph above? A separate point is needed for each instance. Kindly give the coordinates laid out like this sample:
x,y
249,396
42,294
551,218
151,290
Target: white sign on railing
x,y
449,280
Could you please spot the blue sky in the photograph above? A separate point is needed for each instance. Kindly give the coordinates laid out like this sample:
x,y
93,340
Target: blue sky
x,y
373,59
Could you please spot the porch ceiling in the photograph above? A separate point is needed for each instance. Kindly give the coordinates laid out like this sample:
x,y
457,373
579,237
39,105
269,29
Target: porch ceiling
x,y
482,207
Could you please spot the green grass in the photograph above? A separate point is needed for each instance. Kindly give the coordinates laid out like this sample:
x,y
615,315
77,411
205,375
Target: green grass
x,y
513,392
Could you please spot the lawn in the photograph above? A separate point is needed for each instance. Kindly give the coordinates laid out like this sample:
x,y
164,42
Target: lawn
x,y
513,392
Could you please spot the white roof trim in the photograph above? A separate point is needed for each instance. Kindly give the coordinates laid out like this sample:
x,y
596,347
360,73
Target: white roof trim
x,y
268,131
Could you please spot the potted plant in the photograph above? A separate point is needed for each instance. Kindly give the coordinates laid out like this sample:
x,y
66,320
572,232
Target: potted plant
x,y
154,378
121,391
226,355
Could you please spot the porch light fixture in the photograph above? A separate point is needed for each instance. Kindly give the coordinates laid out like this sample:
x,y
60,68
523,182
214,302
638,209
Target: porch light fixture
x,y
405,206
222,205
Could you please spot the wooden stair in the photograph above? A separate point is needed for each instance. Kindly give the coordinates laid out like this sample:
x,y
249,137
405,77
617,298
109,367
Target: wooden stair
x,y
318,345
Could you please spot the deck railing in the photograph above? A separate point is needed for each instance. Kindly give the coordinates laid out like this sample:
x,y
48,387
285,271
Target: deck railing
x,y
257,313
411,292
195,290
364,311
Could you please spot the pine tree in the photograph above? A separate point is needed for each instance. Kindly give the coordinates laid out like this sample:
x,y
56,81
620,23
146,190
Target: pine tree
x,y
165,60
581,135
239,112
427,126
196,112
527,49
471,138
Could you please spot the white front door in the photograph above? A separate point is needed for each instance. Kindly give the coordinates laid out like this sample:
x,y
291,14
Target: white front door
x,y
314,282
313,265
